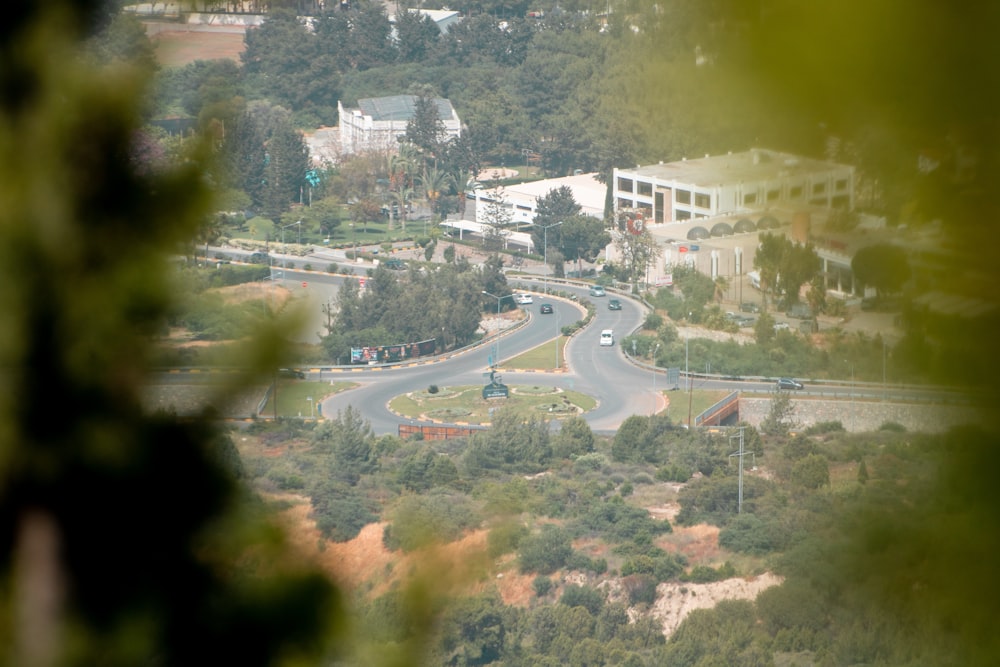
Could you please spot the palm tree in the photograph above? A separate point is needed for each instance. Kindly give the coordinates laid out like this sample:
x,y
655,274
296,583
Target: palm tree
x,y
721,285
438,182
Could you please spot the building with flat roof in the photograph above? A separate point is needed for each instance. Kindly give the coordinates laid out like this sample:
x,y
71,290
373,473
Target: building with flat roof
x,y
378,123
732,184
522,198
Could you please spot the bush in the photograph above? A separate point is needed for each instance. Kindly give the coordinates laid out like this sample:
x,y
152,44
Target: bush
x,y
892,427
653,321
542,585
824,427
332,268
433,389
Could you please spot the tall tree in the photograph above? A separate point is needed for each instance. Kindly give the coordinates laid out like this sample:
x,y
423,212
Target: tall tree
x,y
582,238
285,170
882,266
557,205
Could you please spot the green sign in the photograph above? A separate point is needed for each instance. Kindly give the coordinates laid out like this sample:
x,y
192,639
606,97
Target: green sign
x,y
496,390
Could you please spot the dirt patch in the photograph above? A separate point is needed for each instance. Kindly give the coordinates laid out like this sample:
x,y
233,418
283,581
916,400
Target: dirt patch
x,y
675,601
180,47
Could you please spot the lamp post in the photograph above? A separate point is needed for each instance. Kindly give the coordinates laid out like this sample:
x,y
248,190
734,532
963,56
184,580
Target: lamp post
x,y
851,393
310,399
496,361
655,350
545,252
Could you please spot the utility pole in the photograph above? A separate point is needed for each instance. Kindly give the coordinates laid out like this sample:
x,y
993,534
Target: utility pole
x,y
739,454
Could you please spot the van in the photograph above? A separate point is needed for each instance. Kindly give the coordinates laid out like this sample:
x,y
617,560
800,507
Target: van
x,y
607,338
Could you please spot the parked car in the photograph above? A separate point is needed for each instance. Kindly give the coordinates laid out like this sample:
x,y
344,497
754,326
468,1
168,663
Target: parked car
x,y
614,304
788,383
607,338
781,326
749,307
523,299
745,322
546,309
800,311
394,264
597,290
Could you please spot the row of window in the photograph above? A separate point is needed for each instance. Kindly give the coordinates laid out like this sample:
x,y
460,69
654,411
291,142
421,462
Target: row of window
x,y
703,200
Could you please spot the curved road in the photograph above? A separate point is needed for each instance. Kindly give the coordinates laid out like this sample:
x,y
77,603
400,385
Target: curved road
x,y
622,389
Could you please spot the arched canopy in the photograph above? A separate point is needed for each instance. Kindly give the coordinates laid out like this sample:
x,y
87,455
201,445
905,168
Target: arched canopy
x,y
697,233
722,229
745,225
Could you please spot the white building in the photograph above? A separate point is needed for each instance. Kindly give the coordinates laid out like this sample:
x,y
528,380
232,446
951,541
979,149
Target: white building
x,y
522,199
443,18
378,123
731,184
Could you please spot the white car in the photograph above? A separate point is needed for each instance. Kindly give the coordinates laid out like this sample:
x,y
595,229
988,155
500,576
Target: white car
x,y
607,338
781,326
523,299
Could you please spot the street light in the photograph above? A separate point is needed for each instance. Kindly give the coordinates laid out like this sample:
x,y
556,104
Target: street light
x,y
545,252
496,361
655,350
851,394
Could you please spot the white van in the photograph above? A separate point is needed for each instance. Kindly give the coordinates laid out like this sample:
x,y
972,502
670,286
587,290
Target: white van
x,y
607,338
523,299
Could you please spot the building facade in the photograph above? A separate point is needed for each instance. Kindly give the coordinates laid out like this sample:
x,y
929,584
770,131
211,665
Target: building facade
x,y
732,184
379,122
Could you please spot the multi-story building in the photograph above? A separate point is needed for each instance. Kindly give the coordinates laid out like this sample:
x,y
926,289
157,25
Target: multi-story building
x,y
378,123
732,184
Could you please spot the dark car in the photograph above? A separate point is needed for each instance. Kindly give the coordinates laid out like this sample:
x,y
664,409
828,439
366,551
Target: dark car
x,y
394,264
259,258
293,373
789,383
545,309
614,304
749,307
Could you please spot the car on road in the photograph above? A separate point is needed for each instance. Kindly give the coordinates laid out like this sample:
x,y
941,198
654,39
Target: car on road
x,y
523,299
394,264
614,304
781,326
607,338
545,309
788,383
597,290
745,322
749,307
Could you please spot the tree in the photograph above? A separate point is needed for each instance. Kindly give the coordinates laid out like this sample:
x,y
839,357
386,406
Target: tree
x,y
637,251
779,416
81,315
582,238
418,36
768,260
497,217
800,264
882,266
287,160
574,438
557,205
546,551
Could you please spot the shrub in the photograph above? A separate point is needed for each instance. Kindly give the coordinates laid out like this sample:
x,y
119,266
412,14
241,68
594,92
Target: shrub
x,y
433,389
653,321
332,268
824,427
542,585
892,427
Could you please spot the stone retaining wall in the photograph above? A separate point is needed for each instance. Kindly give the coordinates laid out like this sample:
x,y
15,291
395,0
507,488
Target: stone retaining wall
x,y
866,415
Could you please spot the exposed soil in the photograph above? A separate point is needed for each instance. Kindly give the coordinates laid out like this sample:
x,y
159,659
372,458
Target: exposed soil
x,y
177,45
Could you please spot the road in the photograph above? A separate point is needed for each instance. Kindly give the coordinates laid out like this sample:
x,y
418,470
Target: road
x,y
622,388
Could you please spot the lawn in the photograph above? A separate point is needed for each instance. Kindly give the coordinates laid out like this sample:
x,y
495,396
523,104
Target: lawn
x,y
297,398
542,358
699,400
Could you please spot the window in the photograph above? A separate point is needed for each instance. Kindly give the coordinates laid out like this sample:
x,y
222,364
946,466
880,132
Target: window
x,y
841,184
645,189
773,194
683,215
625,184
795,192
683,197
819,188
750,198
702,200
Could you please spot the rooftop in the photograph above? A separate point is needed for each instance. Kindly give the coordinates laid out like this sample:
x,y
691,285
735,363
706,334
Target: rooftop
x,y
400,107
757,164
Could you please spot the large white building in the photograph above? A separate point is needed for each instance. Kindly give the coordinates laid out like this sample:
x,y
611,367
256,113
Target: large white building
x,y
378,123
521,199
732,184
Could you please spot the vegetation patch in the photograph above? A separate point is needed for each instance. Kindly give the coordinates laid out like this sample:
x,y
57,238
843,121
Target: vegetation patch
x,y
467,402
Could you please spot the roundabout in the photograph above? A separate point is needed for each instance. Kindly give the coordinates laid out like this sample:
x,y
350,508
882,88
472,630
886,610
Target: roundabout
x,y
464,404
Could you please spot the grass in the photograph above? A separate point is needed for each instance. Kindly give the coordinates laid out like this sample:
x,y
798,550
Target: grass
x,y
700,400
294,395
465,404
541,358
